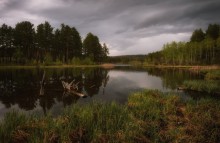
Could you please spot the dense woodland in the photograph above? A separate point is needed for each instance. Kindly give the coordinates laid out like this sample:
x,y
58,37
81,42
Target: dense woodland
x,y
27,44
202,49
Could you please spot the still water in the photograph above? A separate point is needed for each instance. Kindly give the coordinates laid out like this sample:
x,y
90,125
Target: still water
x,y
20,88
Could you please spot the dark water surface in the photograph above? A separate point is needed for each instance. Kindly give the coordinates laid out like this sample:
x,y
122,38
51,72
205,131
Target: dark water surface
x,y
20,88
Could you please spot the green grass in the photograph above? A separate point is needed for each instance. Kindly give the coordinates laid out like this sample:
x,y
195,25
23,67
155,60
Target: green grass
x,y
148,116
213,75
209,86
96,122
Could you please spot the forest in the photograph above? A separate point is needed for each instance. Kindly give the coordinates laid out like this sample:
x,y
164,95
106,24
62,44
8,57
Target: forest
x,y
202,49
26,44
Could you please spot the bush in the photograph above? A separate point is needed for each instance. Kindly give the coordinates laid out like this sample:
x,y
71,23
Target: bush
x,y
87,61
48,60
58,62
75,61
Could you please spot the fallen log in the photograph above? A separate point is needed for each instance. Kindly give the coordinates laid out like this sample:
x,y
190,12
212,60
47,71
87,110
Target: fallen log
x,y
72,88
181,88
77,93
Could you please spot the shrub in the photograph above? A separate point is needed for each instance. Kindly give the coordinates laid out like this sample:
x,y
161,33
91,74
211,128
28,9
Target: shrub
x,y
48,59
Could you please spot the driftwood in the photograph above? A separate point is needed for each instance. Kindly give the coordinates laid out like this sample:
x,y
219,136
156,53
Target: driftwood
x,y
72,88
181,88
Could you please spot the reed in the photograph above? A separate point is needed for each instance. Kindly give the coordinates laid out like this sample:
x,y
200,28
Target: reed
x,y
209,86
148,116
213,75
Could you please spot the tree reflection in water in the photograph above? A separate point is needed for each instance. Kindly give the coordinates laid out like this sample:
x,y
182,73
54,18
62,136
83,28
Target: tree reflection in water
x,y
23,87
20,88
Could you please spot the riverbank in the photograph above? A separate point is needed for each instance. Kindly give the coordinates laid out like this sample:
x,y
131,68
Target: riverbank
x,y
193,67
209,84
56,66
148,116
110,65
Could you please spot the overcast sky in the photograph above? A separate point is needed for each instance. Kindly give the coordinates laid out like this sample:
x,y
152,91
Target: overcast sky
x,y
126,26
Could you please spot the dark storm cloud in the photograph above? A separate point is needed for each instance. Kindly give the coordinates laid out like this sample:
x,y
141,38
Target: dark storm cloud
x,y
190,12
127,26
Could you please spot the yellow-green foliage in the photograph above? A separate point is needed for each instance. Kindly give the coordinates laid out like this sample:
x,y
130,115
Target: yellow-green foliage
x,y
48,59
75,61
135,63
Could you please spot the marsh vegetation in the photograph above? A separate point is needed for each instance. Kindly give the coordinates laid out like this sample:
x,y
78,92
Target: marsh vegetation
x,y
148,116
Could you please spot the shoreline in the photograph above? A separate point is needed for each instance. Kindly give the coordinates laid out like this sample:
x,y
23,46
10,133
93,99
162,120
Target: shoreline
x,y
193,67
110,65
57,66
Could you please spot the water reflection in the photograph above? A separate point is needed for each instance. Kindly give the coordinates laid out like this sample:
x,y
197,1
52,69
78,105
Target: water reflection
x,y
25,89
172,77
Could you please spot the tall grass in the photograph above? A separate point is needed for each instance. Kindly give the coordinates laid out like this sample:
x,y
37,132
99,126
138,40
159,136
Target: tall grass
x,y
167,118
97,122
213,75
209,86
149,116
203,121
10,124
158,114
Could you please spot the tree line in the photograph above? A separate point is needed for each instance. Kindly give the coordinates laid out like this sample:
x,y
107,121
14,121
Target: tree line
x,y
202,49
25,44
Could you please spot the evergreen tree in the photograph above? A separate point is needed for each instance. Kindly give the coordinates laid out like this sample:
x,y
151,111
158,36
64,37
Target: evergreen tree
x,y
197,36
92,48
6,42
76,50
23,45
24,37
105,51
57,44
213,31
44,38
71,42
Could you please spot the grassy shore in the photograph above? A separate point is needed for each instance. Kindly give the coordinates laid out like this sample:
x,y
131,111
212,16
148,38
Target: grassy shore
x,y
212,75
149,116
210,83
190,67
110,65
55,66
209,86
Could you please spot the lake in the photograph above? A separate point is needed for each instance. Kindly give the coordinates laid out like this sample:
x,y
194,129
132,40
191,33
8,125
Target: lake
x,y
20,88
